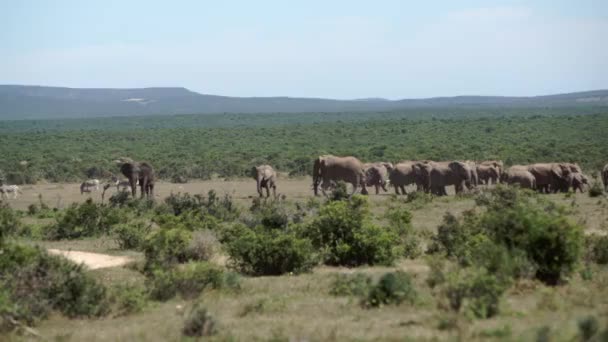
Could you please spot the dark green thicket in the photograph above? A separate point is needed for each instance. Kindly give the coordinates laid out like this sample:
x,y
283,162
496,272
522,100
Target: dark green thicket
x,y
84,220
202,148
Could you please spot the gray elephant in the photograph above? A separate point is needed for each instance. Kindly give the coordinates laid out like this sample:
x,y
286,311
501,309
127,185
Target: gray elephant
x,y
519,174
141,173
498,164
422,170
474,174
550,176
377,175
578,181
328,169
403,174
488,174
265,177
449,173
605,177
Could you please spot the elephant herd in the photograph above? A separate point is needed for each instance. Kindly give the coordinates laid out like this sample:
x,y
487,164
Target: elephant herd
x,y
433,177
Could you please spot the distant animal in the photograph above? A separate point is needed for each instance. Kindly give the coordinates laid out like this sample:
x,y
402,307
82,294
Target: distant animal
x,y
142,172
124,184
377,175
88,184
488,174
578,181
550,177
449,173
265,177
474,175
519,174
328,169
605,177
9,189
402,174
498,164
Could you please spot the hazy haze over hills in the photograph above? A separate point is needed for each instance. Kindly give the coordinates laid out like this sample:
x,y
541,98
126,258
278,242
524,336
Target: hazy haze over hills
x,y
23,102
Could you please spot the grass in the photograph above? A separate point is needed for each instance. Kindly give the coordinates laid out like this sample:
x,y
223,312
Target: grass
x,y
301,307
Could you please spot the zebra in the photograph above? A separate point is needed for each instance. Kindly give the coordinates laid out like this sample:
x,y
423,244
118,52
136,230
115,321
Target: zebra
x,y
88,184
6,189
124,184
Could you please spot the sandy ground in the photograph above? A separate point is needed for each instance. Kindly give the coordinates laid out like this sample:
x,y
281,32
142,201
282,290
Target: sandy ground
x,y
92,260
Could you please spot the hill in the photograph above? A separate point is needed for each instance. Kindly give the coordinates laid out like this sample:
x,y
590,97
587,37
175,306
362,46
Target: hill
x,y
38,102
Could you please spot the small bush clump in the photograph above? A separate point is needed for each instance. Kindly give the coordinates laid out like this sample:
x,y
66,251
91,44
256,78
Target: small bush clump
x,y
477,291
189,281
10,222
596,189
166,247
345,233
597,248
131,235
357,284
199,323
128,299
392,288
84,220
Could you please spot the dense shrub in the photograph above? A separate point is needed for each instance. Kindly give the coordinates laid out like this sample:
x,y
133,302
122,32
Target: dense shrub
x,y
264,251
84,220
476,291
166,247
128,299
131,235
588,327
357,284
203,245
517,228
392,288
597,248
9,221
120,199
34,283
400,221
269,213
188,280
345,233
223,209
596,188
199,322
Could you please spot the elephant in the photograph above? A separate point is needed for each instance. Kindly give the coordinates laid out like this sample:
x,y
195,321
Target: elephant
x,y
422,170
519,174
403,173
488,174
474,174
138,172
376,174
265,177
578,181
550,176
605,177
328,168
498,164
449,173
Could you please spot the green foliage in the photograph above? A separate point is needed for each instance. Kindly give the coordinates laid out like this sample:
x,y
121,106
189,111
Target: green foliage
x,y
223,209
392,288
344,231
198,146
129,299
517,233
120,199
199,322
166,247
596,188
400,221
597,248
339,192
357,284
131,235
477,291
10,223
84,220
264,251
588,327
188,280
34,283
270,213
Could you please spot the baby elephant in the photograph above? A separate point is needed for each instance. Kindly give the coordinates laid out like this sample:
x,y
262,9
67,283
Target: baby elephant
x,y
265,177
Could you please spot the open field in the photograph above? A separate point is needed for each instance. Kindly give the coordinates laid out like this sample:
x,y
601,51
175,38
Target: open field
x,y
300,307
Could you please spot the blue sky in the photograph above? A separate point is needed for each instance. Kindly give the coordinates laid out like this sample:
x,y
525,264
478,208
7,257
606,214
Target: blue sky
x,y
335,49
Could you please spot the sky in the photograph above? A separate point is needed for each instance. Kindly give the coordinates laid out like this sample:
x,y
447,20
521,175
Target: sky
x,y
332,49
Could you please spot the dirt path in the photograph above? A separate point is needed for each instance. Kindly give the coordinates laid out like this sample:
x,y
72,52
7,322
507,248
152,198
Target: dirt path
x,y
92,260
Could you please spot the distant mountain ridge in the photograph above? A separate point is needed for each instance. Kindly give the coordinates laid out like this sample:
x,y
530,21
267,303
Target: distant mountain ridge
x,y
40,102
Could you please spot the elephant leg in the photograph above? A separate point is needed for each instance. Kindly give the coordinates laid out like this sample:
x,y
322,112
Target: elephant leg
x,y
267,191
274,190
377,189
403,189
383,184
151,190
133,184
396,188
144,187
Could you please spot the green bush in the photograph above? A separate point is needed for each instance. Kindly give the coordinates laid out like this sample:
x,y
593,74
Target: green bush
x,y
588,327
400,221
269,213
120,199
392,288
477,291
596,189
344,231
131,235
357,284
166,247
199,323
129,299
34,283
189,280
223,209
517,227
262,251
84,220
597,248
10,222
